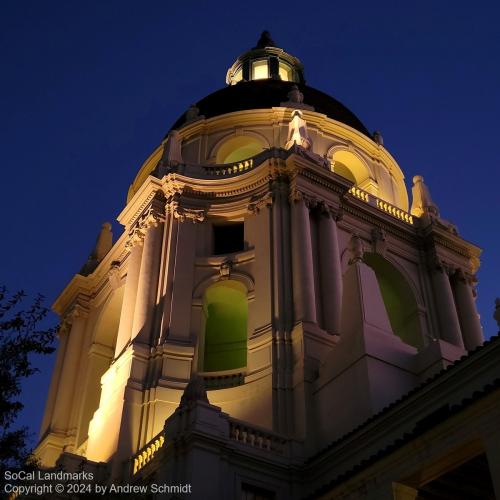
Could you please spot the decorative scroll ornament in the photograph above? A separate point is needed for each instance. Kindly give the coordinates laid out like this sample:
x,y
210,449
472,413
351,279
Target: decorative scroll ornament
x,y
225,268
194,215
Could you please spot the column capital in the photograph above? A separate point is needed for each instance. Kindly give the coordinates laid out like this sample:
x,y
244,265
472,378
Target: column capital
x,y
327,210
258,203
183,214
76,311
135,237
465,277
437,264
297,196
152,218
279,185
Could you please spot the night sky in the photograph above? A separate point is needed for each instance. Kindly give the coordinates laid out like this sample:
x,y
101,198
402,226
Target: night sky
x,y
88,90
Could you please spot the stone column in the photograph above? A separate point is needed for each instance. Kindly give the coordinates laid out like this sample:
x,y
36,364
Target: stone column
x,y
330,271
303,270
74,324
147,286
183,271
282,307
127,312
445,305
467,313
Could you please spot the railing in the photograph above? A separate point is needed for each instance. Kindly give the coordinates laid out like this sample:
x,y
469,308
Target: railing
x,y
240,167
146,454
255,438
222,380
229,169
381,205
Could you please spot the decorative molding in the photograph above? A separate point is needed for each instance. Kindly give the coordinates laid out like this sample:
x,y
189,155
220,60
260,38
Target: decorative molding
x,y
192,214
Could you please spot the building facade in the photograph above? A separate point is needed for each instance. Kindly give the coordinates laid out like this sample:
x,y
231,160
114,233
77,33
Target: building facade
x,y
278,319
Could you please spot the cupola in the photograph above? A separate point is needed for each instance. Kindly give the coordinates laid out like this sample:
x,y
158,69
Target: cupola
x,y
265,61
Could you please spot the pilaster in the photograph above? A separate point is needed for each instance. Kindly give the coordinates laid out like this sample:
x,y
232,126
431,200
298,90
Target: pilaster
x,y
303,272
134,244
445,304
73,326
151,225
469,319
330,270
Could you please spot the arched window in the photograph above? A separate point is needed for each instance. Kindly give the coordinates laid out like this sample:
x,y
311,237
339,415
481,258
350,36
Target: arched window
x,y
238,148
348,165
398,299
225,311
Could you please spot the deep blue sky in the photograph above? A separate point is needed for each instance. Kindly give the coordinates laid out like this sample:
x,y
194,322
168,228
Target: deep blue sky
x,y
88,89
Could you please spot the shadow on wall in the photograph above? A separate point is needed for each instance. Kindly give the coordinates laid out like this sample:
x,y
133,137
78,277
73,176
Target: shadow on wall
x,y
398,299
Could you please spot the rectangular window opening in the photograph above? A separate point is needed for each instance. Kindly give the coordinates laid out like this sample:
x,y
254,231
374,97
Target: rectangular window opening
x,y
260,70
229,238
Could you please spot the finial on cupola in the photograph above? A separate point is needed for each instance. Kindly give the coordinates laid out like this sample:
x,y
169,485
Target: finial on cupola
x,y
265,40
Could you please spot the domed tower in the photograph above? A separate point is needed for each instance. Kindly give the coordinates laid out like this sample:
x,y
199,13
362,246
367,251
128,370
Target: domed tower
x,y
270,255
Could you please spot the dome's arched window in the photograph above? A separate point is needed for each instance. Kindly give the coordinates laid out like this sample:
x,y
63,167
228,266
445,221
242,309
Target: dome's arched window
x,y
238,148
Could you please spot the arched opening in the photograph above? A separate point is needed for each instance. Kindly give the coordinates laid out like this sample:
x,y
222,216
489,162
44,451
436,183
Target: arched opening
x,y
349,166
398,299
238,148
225,311
99,359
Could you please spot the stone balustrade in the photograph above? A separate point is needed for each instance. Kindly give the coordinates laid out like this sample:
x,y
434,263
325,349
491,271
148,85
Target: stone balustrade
x,y
256,437
221,380
146,453
381,205
229,169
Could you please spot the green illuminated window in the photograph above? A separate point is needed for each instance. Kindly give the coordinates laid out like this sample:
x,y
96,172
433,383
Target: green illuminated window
x,y
226,317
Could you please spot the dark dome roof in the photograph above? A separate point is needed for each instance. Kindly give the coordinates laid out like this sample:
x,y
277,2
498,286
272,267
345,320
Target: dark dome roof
x,y
262,94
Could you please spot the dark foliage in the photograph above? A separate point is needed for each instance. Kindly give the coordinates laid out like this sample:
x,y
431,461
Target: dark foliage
x,y
20,337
